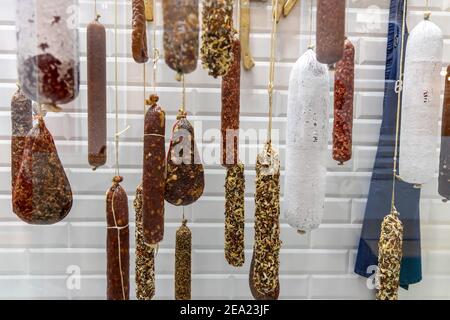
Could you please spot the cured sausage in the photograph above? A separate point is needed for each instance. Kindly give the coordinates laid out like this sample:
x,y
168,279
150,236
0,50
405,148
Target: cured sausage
x,y
153,183
42,193
183,249
217,37
330,30
306,143
234,215
117,242
139,34
181,33
185,179
96,91
145,255
231,86
244,34
420,104
343,104
444,164
21,124
264,268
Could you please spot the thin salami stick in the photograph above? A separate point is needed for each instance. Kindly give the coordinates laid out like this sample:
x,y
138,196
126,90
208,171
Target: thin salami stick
x,y
96,89
42,192
139,34
181,34
264,268
154,176
244,34
235,215
344,80
185,179
444,164
21,124
117,242
231,86
330,30
217,37
183,250
145,255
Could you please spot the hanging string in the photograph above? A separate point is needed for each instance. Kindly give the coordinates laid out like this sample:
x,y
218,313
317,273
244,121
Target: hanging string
x,y
155,57
273,39
116,79
398,90
311,45
97,16
183,98
427,13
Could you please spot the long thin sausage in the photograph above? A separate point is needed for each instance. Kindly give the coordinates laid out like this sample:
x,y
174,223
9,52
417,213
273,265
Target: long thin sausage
x,y
231,86
444,165
183,250
344,79
154,175
96,90
117,242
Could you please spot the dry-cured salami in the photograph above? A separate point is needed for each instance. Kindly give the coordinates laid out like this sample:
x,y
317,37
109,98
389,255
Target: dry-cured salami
x,y
217,36
145,255
343,104
153,183
139,34
21,124
96,91
231,84
330,30
264,268
117,242
235,215
42,193
183,249
181,34
444,164
185,179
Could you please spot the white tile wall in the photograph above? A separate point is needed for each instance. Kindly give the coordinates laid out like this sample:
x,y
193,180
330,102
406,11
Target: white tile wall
x,y
34,260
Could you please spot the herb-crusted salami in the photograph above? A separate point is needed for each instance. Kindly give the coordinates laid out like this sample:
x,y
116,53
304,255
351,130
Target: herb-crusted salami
x,y
183,249
42,193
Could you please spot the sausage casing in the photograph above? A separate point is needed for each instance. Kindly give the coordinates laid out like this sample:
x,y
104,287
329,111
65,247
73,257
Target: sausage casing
x,y
42,192
185,179
444,164
96,91
154,175
344,79
330,30
181,33
183,250
117,242
230,109
139,34
21,124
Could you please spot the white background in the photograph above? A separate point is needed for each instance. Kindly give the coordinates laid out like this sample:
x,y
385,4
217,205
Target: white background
x,y
34,259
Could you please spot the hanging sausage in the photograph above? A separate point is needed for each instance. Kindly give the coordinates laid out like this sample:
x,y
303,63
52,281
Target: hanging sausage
x,y
264,268
217,36
420,105
444,165
47,46
181,33
139,34
344,79
330,30
42,193
21,124
96,91
154,173
117,242
231,87
185,179
145,255
235,215
244,34
183,249
306,145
